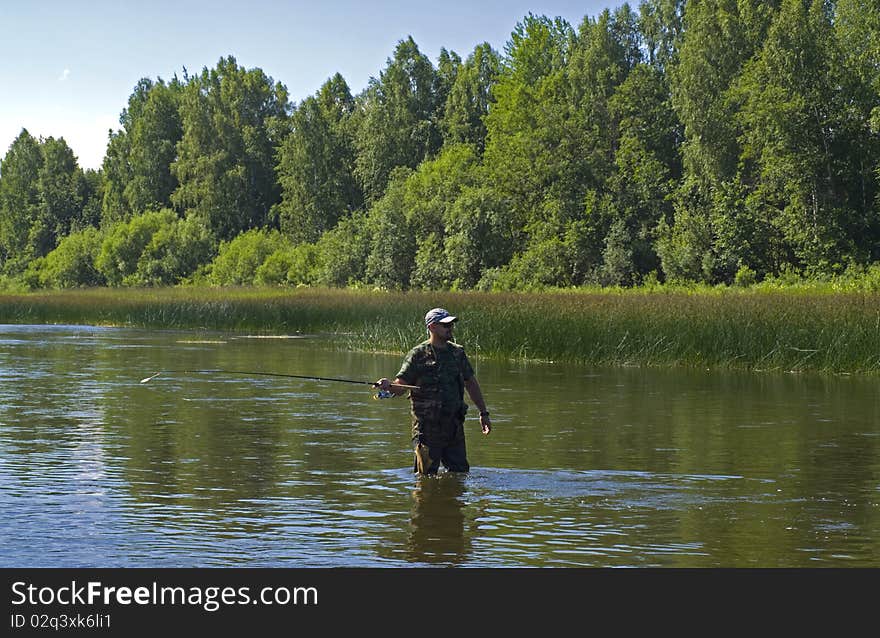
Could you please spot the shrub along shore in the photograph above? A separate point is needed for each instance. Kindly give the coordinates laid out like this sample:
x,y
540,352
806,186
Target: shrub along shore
x,y
783,330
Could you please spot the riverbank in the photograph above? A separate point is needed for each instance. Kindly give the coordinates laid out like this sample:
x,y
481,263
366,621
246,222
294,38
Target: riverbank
x,y
725,328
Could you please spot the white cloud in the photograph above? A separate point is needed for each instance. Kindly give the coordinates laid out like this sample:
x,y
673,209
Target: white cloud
x,y
64,75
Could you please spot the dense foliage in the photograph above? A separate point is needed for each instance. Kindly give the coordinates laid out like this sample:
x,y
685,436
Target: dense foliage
x,y
712,141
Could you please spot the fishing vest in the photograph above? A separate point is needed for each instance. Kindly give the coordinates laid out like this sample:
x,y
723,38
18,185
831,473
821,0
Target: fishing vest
x,y
440,380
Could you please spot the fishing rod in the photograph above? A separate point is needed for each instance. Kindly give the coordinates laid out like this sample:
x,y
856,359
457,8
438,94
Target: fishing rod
x,y
380,395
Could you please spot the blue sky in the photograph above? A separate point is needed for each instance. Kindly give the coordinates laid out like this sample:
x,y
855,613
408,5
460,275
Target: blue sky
x,y
68,67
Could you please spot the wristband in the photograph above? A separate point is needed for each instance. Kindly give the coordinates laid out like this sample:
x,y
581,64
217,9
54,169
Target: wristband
x,y
484,413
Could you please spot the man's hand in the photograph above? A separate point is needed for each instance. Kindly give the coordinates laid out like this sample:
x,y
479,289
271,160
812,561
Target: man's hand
x,y
383,384
485,424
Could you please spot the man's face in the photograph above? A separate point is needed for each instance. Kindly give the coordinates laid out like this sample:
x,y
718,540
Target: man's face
x,y
443,330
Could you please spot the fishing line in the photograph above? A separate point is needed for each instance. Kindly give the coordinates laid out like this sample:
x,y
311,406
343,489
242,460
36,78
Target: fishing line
x,y
381,395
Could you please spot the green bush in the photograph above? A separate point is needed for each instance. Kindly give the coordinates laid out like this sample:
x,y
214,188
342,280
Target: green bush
x,y
305,266
480,235
290,265
174,254
431,270
344,251
539,267
745,277
392,254
125,242
273,271
239,259
71,264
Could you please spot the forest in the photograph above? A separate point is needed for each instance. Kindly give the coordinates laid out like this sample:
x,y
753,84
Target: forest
x,y
720,142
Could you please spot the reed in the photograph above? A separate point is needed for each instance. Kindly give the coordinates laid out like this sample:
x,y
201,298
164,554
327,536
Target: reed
x,y
792,330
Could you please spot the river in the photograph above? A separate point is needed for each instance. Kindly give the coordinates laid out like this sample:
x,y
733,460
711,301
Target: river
x,y
584,467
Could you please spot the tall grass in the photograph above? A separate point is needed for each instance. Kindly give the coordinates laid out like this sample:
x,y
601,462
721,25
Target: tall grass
x,y
746,329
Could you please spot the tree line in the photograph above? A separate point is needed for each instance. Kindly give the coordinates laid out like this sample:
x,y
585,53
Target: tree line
x,y
716,141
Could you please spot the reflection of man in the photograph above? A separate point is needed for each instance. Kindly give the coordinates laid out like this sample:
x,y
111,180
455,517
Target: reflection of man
x,y
437,521
442,372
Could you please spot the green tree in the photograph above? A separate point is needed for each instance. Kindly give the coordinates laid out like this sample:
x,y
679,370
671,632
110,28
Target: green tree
x,y
532,158
857,31
92,188
116,169
429,196
646,168
44,195
523,127
479,237
609,110
316,165
804,136
470,97
19,200
448,67
661,27
137,164
155,131
62,187
553,139
232,123
399,127
719,37
393,247
294,265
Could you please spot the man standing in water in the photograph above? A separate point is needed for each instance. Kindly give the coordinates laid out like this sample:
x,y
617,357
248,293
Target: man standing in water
x,y
442,372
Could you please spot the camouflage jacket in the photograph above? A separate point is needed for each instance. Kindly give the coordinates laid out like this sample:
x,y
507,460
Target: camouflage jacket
x,y
440,375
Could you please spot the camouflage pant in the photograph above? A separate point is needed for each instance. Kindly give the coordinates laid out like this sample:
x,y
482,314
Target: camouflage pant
x,y
429,457
437,442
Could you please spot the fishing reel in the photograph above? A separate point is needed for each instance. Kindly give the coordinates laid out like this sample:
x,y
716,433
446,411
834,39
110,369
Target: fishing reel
x,y
384,394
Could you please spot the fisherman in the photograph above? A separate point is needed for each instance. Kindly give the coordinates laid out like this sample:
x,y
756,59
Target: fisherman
x,y
442,372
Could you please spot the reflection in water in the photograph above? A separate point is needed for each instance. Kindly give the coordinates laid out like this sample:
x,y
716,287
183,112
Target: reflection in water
x,y
437,520
585,467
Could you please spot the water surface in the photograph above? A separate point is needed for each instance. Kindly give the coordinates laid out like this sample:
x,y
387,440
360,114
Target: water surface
x,y
585,466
